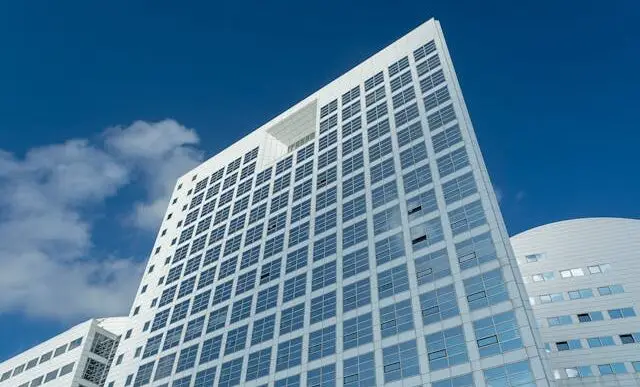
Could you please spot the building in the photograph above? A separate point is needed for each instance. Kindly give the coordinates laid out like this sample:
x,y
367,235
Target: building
x,y
352,240
78,357
582,279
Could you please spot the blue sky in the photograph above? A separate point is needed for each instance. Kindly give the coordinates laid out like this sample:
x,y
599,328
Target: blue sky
x,y
552,88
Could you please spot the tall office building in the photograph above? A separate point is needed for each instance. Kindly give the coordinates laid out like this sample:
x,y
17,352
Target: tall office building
x,y
79,357
582,279
354,240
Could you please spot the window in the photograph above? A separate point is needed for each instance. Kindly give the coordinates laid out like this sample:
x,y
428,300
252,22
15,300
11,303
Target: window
x,y
432,266
403,80
144,374
276,223
323,276
354,208
217,234
407,114
439,304
267,299
205,377
304,170
599,269
289,354
393,281
374,81
403,97
237,224
396,318
400,361
180,311
568,345
246,282
352,164
546,276
324,247
357,331
612,368
426,234
66,369
590,316
299,234
382,170
295,287
423,52
263,329
416,179
241,309
351,127
384,194
467,217
351,95
559,320
258,196
580,293
201,302
354,263
436,98
228,267
390,248
249,258
551,297
222,293
326,198
258,364
446,348
433,80
485,289
602,341
378,130
611,289
636,365
173,338
273,246
457,381
153,346
620,313
354,184
327,125
187,358
510,375
322,343
354,234
297,259
230,372
356,295
236,340
380,149
292,319
327,140
270,271
327,158
578,272
323,307
282,182
497,334
253,234
386,220
322,376
421,205
475,251
291,381
359,371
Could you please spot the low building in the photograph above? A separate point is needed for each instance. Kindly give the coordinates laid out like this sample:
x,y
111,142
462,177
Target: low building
x,y
582,281
78,357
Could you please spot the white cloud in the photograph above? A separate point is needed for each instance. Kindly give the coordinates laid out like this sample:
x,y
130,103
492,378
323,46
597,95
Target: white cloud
x,y
498,193
162,152
520,195
47,201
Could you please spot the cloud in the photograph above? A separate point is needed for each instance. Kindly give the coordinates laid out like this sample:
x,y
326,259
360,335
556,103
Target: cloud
x,y
162,152
47,200
520,195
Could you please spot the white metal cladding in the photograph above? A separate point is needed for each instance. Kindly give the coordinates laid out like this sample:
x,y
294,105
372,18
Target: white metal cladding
x,y
440,148
61,361
596,265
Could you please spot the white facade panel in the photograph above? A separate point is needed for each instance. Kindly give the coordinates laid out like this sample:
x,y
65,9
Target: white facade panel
x,y
582,279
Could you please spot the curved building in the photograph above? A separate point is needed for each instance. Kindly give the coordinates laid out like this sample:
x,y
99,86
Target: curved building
x,y
583,281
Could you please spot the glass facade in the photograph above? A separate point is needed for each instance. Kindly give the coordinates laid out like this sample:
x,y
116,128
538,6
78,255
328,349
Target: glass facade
x,y
345,259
